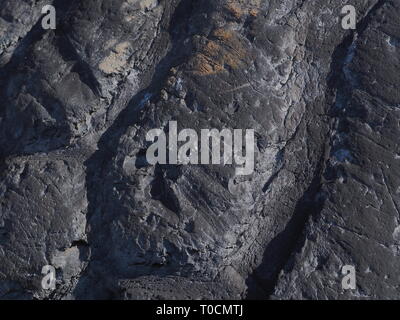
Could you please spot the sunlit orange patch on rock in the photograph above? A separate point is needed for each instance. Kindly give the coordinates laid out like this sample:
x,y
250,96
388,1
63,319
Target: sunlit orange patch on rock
x,y
241,8
223,51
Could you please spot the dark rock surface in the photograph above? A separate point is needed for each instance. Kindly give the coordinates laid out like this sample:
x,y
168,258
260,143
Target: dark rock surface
x,y
76,192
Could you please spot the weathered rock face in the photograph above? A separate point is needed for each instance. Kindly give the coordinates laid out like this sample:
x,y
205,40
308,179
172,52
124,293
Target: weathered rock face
x,y
77,193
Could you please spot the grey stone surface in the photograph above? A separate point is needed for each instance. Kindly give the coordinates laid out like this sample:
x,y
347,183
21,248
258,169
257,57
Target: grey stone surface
x,y
77,193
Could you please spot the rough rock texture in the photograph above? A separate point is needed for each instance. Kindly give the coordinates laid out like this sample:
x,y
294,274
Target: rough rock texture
x,y
77,193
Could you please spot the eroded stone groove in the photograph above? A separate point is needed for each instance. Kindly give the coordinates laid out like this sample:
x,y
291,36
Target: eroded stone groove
x,y
340,81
